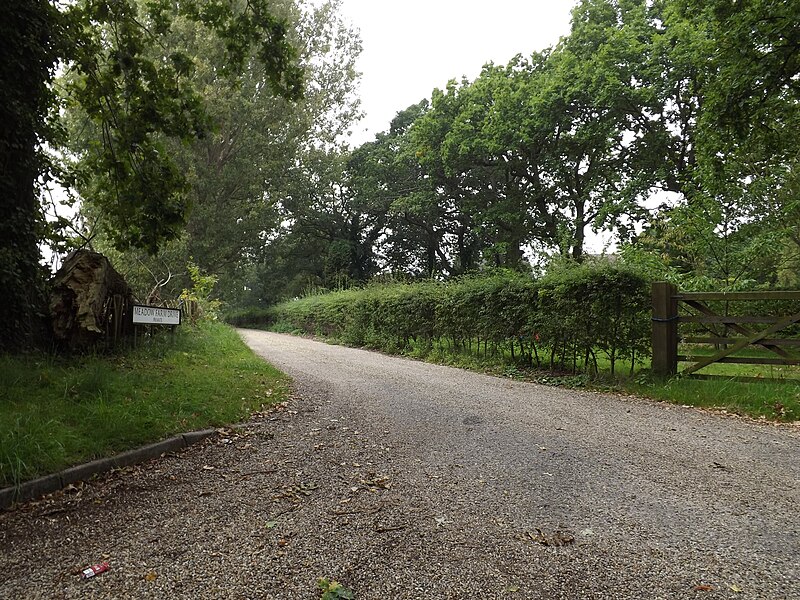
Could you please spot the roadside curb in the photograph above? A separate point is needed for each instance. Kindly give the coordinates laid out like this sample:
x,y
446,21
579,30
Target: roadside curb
x,y
52,483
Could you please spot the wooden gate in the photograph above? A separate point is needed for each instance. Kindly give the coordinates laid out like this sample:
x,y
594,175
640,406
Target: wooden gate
x,y
671,308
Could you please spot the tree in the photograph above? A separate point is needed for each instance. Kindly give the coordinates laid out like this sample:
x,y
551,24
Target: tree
x,y
138,100
246,164
485,189
725,76
135,102
30,46
537,150
751,111
424,233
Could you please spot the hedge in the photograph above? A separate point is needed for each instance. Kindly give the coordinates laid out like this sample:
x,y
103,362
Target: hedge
x,y
565,319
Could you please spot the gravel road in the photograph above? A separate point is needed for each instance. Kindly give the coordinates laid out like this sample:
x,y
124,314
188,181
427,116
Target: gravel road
x,y
401,479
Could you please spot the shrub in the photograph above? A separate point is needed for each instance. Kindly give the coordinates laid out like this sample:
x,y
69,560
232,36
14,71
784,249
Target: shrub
x,y
571,315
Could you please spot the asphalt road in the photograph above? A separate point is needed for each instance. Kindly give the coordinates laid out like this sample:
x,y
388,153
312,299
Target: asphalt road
x,y
402,479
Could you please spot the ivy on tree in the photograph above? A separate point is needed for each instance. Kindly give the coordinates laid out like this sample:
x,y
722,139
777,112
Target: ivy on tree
x,y
136,101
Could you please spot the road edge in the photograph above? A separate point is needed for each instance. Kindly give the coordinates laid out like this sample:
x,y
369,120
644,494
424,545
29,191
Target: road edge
x,y
35,488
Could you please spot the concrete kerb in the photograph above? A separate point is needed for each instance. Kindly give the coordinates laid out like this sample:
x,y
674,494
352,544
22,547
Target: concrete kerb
x,y
52,483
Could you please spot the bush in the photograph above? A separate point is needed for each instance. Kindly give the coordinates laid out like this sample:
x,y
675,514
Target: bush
x,y
572,315
594,308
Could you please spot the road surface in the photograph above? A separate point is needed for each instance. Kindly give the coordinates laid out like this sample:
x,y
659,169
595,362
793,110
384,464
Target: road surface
x,y
402,479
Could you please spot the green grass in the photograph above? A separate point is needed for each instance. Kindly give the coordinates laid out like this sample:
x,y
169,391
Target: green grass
x,y
56,412
777,401
697,352
770,400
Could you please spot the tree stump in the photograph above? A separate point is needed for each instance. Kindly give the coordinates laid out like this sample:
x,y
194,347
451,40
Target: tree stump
x,y
82,307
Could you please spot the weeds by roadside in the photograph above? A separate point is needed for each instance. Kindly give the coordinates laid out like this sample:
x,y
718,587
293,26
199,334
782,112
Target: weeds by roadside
x,y
333,590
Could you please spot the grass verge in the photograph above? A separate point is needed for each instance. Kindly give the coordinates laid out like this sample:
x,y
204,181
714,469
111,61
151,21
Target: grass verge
x,y
56,412
773,400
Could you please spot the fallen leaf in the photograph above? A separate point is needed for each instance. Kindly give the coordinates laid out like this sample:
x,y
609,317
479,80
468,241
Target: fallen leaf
x,y
151,576
559,538
208,468
703,588
735,588
271,524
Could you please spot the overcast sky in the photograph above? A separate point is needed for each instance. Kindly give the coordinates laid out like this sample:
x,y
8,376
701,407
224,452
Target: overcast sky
x,y
414,46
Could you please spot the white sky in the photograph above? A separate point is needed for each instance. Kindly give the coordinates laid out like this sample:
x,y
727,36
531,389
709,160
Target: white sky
x,y
411,47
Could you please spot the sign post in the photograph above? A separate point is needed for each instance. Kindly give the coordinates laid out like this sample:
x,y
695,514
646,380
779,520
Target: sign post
x,y
155,315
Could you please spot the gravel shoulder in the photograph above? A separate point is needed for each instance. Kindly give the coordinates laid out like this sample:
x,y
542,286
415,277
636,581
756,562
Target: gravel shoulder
x,y
402,479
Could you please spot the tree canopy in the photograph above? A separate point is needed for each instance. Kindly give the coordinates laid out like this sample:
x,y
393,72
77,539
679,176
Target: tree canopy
x,y
653,121
136,100
216,132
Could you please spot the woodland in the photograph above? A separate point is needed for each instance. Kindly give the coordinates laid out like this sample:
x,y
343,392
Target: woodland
x,y
214,134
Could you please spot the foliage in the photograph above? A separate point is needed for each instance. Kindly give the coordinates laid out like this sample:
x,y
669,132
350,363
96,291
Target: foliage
x,y
692,105
135,102
595,308
30,38
333,590
642,102
200,293
570,315
152,279
252,188
56,412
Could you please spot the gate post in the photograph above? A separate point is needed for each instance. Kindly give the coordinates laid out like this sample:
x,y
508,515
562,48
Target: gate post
x,y
665,329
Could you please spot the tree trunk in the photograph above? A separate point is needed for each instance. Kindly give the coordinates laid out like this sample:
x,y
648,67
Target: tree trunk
x,y
25,72
580,232
81,301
